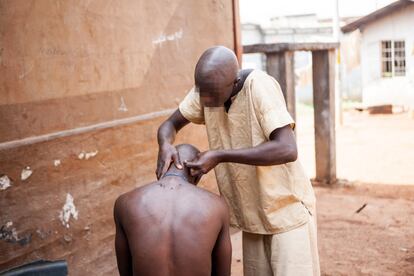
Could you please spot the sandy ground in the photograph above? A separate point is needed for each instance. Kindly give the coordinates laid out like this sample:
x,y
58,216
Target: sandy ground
x,y
370,148
379,240
376,155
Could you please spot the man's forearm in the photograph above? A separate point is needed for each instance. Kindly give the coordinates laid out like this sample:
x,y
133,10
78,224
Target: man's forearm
x,y
168,129
266,154
166,133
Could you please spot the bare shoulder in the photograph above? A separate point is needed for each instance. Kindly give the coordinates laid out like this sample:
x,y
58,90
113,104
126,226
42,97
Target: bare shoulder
x,y
216,200
124,200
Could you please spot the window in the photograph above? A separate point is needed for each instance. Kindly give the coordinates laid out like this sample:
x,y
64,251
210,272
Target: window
x,y
399,58
393,58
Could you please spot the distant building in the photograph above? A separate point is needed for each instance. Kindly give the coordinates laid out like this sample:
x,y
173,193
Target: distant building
x,y
387,54
304,28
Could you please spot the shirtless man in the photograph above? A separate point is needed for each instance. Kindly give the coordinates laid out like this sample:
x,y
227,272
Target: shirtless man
x,y
171,227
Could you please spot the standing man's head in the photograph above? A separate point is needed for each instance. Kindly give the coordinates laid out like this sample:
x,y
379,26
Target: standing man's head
x,y
186,152
216,76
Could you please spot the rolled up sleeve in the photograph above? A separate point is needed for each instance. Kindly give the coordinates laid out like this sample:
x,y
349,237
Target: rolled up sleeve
x,y
191,108
269,104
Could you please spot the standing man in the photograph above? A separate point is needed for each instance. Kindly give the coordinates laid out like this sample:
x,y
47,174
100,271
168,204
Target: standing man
x,y
254,154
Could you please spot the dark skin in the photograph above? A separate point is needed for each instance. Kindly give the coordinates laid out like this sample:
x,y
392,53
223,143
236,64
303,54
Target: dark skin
x,y
171,227
217,80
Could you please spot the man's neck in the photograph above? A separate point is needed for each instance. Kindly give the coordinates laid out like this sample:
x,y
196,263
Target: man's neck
x,y
243,74
174,172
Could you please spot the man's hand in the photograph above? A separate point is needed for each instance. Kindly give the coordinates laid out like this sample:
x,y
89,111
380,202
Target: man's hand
x,y
204,162
166,155
166,136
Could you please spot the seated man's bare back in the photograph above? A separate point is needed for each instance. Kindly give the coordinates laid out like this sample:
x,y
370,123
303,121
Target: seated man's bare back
x,y
171,227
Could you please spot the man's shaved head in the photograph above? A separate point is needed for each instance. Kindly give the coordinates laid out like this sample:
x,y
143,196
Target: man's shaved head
x,y
216,62
187,151
216,73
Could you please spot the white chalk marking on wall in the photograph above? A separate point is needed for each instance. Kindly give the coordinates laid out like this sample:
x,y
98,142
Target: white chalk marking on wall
x,y
171,37
5,182
56,162
87,155
25,72
123,106
68,210
26,173
91,154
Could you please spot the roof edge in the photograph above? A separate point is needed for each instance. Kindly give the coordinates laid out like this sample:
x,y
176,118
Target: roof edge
x,y
393,7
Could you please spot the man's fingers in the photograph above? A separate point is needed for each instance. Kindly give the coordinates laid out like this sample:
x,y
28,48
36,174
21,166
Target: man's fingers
x,y
192,164
177,161
159,169
195,172
165,168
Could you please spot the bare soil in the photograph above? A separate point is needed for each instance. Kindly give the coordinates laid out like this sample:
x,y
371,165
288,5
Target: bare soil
x,y
379,240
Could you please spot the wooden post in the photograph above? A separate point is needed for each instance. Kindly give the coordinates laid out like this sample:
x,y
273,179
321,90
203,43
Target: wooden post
x,y
280,66
323,66
238,48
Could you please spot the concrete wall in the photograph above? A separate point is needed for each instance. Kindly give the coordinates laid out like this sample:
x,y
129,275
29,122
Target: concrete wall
x,y
252,34
395,90
66,66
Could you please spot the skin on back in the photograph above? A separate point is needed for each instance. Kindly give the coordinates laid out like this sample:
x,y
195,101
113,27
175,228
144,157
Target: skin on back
x,y
171,227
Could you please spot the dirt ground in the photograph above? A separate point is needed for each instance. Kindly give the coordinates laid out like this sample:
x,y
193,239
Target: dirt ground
x,y
375,154
379,240
369,148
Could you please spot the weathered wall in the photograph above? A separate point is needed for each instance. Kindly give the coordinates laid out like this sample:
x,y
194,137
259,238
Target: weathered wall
x,y
79,61
71,64
125,159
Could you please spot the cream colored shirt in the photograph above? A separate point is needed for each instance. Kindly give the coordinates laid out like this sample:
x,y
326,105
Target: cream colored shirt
x,y
262,199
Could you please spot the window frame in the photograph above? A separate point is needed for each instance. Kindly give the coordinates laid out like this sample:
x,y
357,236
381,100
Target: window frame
x,y
392,59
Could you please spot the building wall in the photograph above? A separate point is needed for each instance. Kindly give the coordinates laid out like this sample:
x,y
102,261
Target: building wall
x,y
350,66
396,90
252,34
69,65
